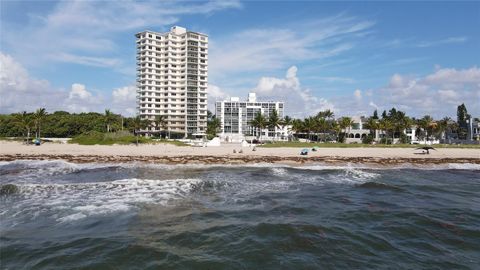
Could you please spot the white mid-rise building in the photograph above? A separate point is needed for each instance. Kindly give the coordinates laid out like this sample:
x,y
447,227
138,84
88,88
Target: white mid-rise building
x,y
235,118
172,79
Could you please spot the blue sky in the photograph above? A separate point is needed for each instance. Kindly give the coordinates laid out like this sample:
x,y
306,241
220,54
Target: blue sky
x,y
351,57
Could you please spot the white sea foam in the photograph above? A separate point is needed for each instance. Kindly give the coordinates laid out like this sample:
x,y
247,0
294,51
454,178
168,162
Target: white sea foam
x,y
68,202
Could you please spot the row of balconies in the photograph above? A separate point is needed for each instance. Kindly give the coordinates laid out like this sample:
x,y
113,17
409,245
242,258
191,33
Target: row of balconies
x,y
173,91
154,42
169,47
142,55
191,66
164,93
155,49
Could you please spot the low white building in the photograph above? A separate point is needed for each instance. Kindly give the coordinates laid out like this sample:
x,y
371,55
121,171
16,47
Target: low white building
x,y
236,116
357,132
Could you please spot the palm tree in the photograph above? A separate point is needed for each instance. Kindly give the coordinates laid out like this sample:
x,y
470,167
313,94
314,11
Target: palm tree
x,y
336,128
298,126
427,124
309,125
386,125
160,122
346,122
25,121
259,122
372,125
443,126
328,114
38,117
285,122
273,122
139,124
109,119
322,125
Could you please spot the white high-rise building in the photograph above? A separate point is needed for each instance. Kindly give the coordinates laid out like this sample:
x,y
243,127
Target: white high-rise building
x,y
172,79
235,117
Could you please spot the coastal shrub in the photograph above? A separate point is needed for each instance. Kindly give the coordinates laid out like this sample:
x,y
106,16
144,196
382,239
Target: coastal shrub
x,y
367,139
404,139
386,140
95,137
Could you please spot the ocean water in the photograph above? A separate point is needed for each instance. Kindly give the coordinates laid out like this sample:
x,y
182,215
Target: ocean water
x,y
60,215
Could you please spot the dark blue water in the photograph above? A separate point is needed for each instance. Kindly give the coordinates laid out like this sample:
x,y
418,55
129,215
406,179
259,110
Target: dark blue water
x,y
59,215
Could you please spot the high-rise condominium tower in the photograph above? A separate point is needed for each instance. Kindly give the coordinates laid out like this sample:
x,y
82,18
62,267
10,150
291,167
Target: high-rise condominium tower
x,y
172,80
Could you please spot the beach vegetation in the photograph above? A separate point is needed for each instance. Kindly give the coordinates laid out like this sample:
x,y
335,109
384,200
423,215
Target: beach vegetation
x,y
213,126
38,118
259,122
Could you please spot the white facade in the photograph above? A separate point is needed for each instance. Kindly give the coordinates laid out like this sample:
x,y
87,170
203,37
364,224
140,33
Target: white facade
x,y
172,79
235,117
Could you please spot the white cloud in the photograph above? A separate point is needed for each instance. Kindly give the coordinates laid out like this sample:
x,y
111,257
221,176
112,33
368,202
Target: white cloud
x,y
86,60
437,94
85,32
124,94
124,100
450,40
79,92
266,49
451,75
20,92
299,101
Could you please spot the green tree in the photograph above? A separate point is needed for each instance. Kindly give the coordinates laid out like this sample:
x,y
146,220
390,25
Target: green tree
x,y
160,122
25,121
346,124
259,122
285,122
386,125
109,119
426,123
273,122
38,117
139,124
213,126
372,125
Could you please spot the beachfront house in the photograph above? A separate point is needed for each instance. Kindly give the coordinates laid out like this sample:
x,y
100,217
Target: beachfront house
x,y
236,116
358,131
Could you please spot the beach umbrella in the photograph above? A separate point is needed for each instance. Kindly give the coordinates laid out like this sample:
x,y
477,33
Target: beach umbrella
x,y
426,148
315,148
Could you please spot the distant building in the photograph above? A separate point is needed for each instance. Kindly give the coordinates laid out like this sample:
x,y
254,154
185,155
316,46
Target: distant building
x,y
172,79
473,129
357,132
235,117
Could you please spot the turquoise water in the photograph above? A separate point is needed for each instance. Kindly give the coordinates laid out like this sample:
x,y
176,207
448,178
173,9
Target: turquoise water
x,y
59,215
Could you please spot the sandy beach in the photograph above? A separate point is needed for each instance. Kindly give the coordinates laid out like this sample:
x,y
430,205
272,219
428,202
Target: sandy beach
x,y
166,153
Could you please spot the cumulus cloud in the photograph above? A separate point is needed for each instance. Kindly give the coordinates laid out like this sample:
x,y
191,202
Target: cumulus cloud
x,y
79,92
124,94
299,101
437,94
21,92
124,100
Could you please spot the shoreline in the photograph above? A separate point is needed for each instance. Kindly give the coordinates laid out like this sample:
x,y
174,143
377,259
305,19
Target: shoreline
x,y
238,160
229,154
